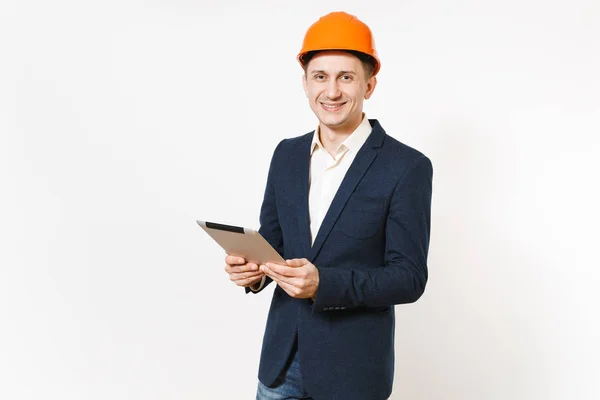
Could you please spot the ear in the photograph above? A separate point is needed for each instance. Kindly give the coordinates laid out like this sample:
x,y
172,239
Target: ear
x,y
371,83
304,85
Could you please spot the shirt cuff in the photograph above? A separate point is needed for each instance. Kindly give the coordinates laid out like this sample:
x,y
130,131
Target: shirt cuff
x,y
262,282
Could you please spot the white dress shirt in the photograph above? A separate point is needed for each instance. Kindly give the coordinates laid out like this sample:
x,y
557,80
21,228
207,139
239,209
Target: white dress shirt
x,y
327,173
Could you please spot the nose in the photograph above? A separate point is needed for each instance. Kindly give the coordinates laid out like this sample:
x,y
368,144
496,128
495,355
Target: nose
x,y
333,89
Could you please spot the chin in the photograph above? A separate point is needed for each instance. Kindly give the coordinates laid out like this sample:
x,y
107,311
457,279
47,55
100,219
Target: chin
x,y
333,121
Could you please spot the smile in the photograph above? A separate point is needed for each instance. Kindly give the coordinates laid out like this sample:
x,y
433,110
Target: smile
x,y
332,107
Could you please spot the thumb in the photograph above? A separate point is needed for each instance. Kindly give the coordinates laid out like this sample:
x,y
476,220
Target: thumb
x,y
297,262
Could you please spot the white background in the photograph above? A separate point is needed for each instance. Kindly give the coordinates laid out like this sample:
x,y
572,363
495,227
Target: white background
x,y
122,122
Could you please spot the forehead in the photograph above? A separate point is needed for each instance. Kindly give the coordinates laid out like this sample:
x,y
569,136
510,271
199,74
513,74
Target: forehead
x,y
334,60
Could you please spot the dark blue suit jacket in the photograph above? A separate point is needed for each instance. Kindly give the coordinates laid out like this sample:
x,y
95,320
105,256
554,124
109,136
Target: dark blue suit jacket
x,y
371,253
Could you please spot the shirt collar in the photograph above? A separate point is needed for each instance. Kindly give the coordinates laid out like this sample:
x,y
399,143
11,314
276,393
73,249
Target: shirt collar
x,y
353,142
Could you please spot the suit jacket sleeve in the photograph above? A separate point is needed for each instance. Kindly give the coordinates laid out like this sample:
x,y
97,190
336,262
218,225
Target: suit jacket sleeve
x,y
269,219
403,277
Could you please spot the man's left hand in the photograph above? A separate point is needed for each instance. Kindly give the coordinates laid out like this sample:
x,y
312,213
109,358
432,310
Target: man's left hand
x,y
299,278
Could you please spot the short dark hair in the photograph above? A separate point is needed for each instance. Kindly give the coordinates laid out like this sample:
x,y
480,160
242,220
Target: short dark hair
x,y
369,63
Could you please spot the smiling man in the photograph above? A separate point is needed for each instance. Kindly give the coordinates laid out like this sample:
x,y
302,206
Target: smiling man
x,y
348,207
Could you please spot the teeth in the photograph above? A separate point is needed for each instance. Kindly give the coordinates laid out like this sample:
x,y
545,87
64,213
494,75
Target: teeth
x,y
332,105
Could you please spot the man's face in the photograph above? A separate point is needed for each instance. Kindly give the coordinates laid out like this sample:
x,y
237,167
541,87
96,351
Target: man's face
x,y
336,86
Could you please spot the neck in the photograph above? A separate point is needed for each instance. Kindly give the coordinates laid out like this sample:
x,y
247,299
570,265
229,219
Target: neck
x,y
331,138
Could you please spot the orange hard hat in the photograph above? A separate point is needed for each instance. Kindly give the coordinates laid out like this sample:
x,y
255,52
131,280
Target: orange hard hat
x,y
339,31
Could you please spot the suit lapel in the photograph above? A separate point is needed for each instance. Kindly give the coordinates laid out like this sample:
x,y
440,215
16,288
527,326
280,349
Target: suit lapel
x,y
302,164
363,160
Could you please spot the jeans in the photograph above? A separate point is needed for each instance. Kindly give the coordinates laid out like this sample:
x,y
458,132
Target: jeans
x,y
288,386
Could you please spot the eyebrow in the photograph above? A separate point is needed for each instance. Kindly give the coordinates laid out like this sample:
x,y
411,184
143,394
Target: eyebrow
x,y
320,71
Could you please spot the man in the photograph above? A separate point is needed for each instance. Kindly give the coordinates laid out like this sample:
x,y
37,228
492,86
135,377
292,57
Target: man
x,y
348,207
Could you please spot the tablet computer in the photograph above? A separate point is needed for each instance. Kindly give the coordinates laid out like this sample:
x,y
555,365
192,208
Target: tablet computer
x,y
242,242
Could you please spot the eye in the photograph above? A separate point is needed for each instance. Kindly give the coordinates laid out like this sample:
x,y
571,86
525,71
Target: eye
x,y
346,78
319,77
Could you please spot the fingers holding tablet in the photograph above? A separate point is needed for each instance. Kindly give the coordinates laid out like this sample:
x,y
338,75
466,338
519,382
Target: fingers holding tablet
x,y
242,273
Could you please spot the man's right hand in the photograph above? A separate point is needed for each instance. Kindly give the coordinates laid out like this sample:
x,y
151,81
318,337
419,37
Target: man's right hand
x,y
241,273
